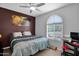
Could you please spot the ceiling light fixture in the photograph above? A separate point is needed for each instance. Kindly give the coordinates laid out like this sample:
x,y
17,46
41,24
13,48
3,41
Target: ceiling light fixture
x,y
32,8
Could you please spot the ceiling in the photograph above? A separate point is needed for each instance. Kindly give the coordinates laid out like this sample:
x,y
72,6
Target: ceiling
x,y
43,9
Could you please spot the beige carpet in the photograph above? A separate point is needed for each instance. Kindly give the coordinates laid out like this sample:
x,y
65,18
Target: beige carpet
x,y
47,52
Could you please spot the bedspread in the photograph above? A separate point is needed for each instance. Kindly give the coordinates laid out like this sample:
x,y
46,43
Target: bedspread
x,y
30,47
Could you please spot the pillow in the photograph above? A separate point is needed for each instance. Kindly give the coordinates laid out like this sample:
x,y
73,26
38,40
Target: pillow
x,y
27,33
17,34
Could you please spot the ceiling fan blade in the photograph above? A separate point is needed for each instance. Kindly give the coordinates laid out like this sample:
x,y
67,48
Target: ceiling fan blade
x,y
41,4
25,6
37,9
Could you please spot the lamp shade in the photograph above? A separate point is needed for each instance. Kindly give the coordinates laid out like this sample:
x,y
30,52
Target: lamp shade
x,y
0,35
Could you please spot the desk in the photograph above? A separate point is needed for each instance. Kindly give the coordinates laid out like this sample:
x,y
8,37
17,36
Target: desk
x,y
75,45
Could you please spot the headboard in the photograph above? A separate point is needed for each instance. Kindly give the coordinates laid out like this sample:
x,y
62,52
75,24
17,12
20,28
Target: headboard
x,y
7,27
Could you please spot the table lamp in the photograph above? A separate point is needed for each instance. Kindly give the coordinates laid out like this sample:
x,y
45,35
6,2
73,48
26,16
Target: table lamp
x,y
0,35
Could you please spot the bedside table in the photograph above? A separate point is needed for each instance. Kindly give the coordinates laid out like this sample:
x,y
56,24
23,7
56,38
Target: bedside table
x,y
6,51
1,50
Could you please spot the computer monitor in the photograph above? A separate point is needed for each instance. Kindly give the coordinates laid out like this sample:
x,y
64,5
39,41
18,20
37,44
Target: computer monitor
x,y
74,35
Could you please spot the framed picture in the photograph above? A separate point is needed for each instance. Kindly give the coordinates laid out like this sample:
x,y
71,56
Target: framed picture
x,y
20,20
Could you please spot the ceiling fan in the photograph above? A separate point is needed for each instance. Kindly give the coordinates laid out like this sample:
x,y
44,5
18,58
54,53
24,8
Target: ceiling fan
x,y
33,6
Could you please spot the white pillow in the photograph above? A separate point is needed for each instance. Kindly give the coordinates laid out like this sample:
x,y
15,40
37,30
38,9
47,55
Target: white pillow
x,y
17,34
27,33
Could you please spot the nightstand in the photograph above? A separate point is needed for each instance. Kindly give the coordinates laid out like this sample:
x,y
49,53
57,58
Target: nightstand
x,y
1,50
6,51
1,47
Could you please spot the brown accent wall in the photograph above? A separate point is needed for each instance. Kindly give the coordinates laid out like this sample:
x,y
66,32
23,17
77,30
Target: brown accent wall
x,y
6,26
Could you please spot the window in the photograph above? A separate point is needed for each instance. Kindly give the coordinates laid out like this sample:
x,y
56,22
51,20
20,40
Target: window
x,y
55,26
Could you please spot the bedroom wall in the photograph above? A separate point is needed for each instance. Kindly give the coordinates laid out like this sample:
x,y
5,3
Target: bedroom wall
x,y
70,15
6,26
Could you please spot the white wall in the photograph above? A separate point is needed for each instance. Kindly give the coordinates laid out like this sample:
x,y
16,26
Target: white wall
x,y
70,15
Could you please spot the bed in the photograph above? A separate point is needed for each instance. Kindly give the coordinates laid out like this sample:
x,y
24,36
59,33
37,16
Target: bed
x,y
28,45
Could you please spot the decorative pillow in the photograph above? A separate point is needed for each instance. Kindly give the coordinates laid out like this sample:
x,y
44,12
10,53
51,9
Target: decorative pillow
x,y
17,34
27,33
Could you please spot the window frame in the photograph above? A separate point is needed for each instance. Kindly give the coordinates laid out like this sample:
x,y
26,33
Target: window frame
x,y
54,28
